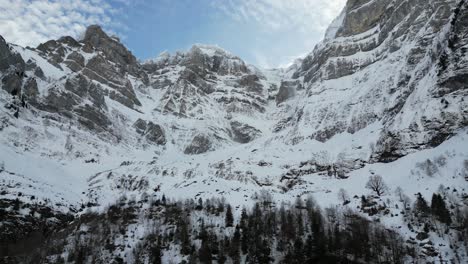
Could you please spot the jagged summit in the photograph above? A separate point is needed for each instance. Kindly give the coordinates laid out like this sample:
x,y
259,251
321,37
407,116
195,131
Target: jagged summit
x,y
94,33
212,50
111,47
209,50
201,59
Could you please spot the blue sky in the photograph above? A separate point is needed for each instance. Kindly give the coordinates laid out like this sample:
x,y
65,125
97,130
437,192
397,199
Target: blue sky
x,y
266,33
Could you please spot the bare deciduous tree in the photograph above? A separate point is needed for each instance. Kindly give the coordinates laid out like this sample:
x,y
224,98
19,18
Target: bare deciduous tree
x,y
377,185
399,192
343,196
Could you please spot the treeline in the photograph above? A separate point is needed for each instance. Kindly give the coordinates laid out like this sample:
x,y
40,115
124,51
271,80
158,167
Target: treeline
x,y
159,230
208,232
447,220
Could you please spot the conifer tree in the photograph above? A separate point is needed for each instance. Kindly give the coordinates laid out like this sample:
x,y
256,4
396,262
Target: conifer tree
x,y
184,236
200,204
243,219
298,251
204,254
439,209
234,252
421,205
155,256
245,239
229,217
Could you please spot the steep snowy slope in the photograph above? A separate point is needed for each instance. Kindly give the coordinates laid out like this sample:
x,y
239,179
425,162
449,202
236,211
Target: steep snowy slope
x,y
84,123
99,107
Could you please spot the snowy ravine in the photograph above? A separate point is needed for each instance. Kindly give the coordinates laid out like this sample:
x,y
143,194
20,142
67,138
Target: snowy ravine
x,y
84,124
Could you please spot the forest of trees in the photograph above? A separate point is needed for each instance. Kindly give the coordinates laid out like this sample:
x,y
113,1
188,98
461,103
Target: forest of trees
x,y
159,230
301,233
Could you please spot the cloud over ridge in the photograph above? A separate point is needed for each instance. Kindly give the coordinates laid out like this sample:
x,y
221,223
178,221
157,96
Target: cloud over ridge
x,y
30,22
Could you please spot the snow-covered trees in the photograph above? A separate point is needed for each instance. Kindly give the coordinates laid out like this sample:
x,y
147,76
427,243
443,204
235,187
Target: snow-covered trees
x,y
377,185
403,198
181,232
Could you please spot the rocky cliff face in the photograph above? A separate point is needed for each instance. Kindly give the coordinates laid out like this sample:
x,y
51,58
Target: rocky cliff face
x,y
12,66
388,58
207,75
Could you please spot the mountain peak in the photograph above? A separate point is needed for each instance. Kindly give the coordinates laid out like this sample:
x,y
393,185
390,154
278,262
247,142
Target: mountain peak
x,y
94,33
211,50
110,46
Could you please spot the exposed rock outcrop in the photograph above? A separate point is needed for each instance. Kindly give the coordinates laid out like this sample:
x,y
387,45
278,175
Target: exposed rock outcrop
x,y
12,66
205,76
152,132
243,133
200,144
287,90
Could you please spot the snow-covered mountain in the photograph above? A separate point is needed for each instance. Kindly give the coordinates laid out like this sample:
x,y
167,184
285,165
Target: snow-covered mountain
x,y
85,123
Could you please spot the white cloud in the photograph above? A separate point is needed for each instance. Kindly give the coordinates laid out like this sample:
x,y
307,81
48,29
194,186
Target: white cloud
x,y
302,22
31,22
269,33
303,15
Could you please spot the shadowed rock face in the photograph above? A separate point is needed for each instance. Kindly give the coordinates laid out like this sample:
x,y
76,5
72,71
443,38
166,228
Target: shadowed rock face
x,y
123,62
140,126
111,47
113,51
8,58
75,61
203,60
152,132
252,83
200,144
453,62
244,133
99,69
362,15
287,90
155,134
12,66
31,91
